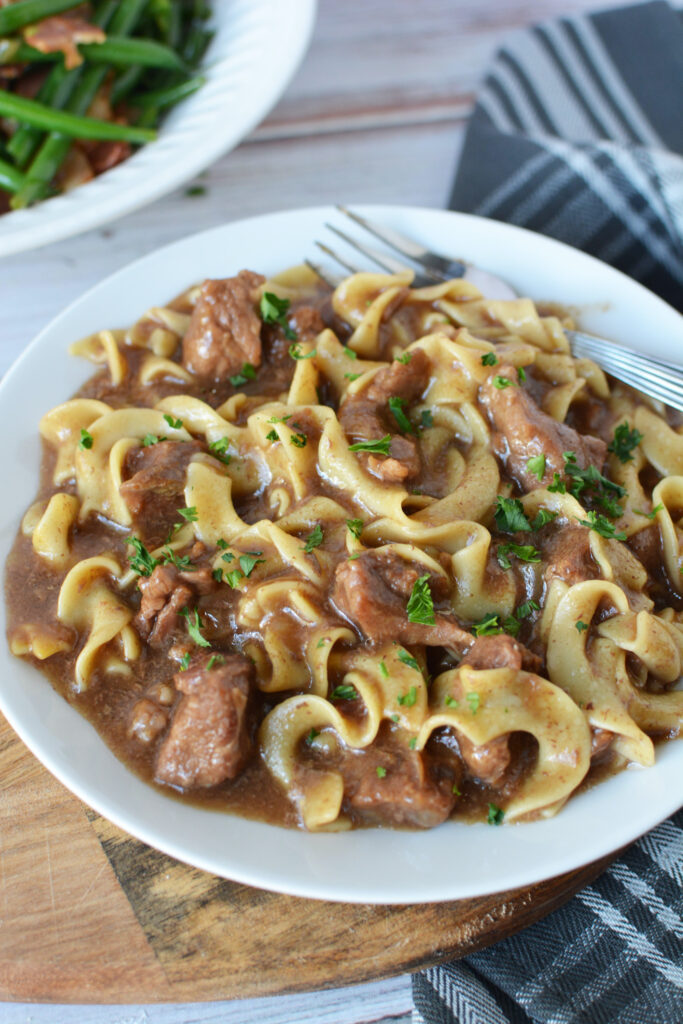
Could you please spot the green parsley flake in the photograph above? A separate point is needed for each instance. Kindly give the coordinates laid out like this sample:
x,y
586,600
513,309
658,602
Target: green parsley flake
x,y
536,465
384,670
455,790
350,353
176,424
179,561
600,489
322,641
509,515
381,772
344,692
473,700
272,435
408,660
395,718
542,518
315,538
495,815
624,442
194,624
219,450
274,311
501,382
234,578
488,626
525,610
525,553
426,419
521,374
405,358
248,373
185,661
217,575
602,525
450,702
355,526
86,439
420,607
150,439
296,352
397,406
228,556
222,544
558,485
412,742
215,659
380,447
249,561
489,359
581,626
407,700
312,735
188,514
298,440
352,376
141,561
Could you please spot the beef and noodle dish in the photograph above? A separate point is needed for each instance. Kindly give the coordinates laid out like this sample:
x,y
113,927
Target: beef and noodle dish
x,y
376,556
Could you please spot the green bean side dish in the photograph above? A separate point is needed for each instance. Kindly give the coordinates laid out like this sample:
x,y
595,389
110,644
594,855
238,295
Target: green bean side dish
x,y
82,83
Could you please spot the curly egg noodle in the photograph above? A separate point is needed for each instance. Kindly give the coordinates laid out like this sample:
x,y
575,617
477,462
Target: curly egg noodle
x,y
273,483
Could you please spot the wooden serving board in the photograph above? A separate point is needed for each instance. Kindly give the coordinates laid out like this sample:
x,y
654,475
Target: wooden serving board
x,y
88,914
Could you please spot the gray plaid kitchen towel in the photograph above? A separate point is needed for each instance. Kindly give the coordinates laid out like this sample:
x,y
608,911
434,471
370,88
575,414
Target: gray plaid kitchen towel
x,y
578,133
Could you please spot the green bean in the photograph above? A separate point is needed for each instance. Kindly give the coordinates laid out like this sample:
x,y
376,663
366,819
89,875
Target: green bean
x,y
11,179
125,83
72,125
114,50
26,12
159,98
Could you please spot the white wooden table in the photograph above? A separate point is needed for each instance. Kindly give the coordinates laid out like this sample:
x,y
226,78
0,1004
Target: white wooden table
x,y
376,114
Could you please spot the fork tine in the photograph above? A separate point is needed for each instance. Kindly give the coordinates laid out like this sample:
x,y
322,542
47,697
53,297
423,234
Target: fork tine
x,y
436,267
339,259
383,260
324,275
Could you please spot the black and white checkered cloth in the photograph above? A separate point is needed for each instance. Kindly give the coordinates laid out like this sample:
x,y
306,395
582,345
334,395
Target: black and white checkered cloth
x,y
578,134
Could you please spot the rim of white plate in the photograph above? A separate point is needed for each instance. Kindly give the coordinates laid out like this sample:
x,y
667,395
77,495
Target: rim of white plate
x,y
455,860
246,76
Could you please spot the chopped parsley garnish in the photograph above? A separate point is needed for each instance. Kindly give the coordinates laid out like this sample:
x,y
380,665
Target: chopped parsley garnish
x,y
488,626
495,815
176,424
222,544
603,491
581,625
625,440
521,374
381,772
217,575
509,515
408,660
352,376
185,661
272,435
215,659
405,358
426,419
455,790
188,514
280,419
558,485
150,439
451,702
653,514
355,526
249,561
234,578
219,450
602,525
384,670
274,311
86,439
473,700
315,538
412,742
194,624
501,382
420,607
141,562
407,700
248,372
380,447
344,692
525,610
228,556
536,465
397,406
489,359
322,641
525,553
296,352
542,518
350,353
312,735
179,561
298,440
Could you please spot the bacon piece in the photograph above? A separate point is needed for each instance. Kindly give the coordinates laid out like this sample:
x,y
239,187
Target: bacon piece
x,y
62,33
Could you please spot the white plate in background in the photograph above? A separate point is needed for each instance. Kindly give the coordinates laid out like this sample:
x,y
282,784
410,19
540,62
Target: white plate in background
x,y
258,46
372,865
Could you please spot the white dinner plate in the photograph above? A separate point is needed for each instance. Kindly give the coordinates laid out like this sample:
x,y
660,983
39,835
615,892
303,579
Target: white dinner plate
x,y
373,865
257,47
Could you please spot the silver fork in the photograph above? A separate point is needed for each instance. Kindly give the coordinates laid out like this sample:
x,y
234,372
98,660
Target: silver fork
x,y
656,378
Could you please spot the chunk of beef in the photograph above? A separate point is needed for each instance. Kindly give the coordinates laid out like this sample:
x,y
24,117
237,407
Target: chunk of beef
x,y
523,430
487,762
569,557
406,796
367,416
209,739
105,155
164,594
154,486
500,651
147,720
373,591
62,33
307,322
225,328
646,545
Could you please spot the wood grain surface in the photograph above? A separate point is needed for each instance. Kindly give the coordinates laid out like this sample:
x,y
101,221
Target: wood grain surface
x,y
90,914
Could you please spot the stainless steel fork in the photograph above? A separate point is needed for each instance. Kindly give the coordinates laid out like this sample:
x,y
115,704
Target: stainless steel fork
x,y
656,378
